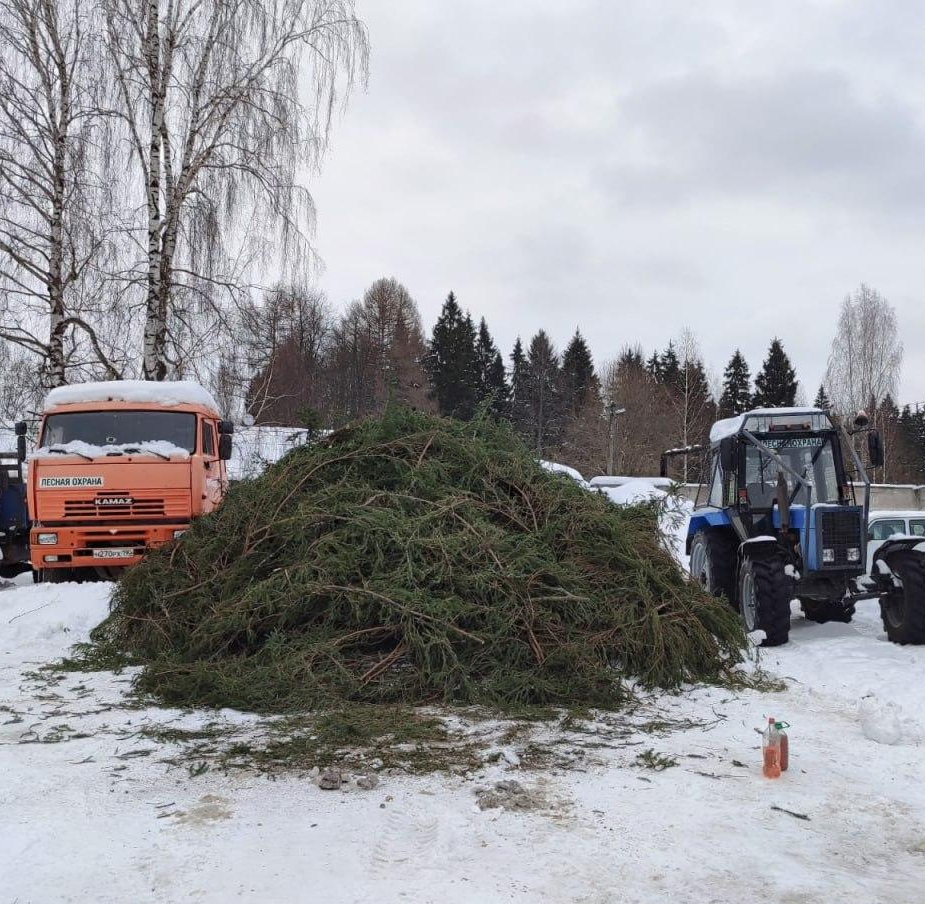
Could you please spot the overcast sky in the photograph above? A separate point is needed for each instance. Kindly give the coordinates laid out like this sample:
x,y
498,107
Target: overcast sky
x,y
632,167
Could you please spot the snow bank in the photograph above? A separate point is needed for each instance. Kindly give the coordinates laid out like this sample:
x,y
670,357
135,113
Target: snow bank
x,y
555,468
180,392
730,426
611,480
676,514
157,448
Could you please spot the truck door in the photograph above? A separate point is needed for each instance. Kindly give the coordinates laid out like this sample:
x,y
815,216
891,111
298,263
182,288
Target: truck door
x,y
214,472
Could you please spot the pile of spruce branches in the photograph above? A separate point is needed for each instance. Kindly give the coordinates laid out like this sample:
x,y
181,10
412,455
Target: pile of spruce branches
x,y
413,559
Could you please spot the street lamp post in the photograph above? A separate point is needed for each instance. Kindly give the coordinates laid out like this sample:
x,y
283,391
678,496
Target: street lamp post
x,y
612,411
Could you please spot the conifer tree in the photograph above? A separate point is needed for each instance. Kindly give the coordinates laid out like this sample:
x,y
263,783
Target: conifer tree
x,y
498,387
737,394
654,367
451,362
518,398
822,401
669,371
631,357
776,384
578,380
543,410
490,367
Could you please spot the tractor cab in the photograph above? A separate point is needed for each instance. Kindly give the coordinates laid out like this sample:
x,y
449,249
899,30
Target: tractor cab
x,y
781,520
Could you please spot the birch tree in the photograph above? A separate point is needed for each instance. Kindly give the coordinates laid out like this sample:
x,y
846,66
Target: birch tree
x,y
221,103
866,359
50,229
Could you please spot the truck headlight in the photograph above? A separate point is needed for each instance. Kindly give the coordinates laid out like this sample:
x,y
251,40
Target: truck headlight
x,y
48,539
179,533
828,556
854,554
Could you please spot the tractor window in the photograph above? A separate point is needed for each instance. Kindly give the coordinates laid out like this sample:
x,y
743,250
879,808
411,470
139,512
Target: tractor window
x,y
812,457
883,530
917,528
716,486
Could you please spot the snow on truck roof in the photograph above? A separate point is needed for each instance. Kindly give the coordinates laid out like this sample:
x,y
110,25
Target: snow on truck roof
x,y
732,425
148,392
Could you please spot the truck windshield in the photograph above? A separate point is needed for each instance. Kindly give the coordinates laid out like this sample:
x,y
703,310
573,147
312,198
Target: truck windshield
x,y
812,457
117,428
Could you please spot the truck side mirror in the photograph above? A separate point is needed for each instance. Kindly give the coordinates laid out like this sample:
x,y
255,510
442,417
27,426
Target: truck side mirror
x,y
22,428
21,446
224,446
875,449
226,427
727,453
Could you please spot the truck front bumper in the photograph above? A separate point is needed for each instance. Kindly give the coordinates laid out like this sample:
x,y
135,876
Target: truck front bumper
x,y
88,547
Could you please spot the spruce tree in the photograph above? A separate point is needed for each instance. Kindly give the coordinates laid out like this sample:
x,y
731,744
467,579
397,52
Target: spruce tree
x,y
492,381
737,394
631,357
654,367
776,384
822,401
578,380
498,387
669,372
518,398
544,409
451,362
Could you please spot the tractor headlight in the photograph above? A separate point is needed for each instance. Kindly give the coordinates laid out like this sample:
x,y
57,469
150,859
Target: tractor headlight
x,y
854,554
178,533
48,539
828,556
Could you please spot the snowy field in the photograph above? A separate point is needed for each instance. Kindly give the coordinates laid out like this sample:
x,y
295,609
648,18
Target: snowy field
x,y
93,813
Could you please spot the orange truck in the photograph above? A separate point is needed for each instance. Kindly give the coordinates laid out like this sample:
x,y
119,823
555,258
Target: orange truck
x,y
121,467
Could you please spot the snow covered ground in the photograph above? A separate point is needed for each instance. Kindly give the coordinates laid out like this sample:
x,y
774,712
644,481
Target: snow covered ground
x,y
91,812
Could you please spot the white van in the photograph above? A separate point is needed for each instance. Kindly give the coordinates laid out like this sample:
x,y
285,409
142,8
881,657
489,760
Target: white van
x,y
883,525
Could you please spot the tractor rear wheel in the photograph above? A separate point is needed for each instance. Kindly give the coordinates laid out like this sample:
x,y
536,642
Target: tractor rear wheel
x,y
822,611
713,562
765,590
903,608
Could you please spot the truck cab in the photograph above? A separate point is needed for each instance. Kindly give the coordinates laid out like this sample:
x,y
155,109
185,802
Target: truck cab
x,y
121,467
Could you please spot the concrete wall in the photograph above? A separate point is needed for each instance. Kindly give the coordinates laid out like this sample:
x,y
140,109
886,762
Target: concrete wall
x,y
883,497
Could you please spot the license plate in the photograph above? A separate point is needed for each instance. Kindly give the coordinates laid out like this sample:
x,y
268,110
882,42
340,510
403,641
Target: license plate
x,y
113,553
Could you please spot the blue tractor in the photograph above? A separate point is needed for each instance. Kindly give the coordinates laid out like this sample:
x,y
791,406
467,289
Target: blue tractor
x,y
782,521
14,516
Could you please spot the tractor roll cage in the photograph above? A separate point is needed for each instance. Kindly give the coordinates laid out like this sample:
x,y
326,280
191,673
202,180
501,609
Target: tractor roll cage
x,y
804,484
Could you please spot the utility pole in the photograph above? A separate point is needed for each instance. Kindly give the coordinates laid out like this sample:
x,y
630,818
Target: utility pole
x,y
612,412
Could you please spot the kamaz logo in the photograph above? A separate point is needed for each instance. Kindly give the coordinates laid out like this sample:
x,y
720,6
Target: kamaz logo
x,y
114,500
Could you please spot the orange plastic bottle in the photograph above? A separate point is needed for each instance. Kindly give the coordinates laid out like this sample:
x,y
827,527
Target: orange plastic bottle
x,y
770,747
784,745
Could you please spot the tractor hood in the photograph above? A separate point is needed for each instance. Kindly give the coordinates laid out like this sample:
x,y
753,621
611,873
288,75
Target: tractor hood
x,y
69,488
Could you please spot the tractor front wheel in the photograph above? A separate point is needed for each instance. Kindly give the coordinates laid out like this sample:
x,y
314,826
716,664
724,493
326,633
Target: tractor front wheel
x,y
764,594
903,608
713,562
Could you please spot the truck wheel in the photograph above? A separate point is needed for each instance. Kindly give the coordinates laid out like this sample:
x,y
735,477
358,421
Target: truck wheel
x,y
765,591
903,608
55,575
713,562
822,611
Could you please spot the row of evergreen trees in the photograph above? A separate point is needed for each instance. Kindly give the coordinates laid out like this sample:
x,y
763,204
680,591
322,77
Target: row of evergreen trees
x,y
539,395
775,384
